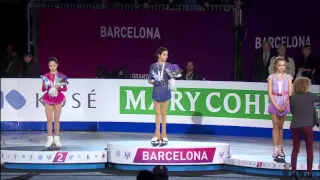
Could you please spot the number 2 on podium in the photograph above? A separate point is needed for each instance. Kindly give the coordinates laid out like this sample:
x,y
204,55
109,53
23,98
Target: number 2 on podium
x,y
60,157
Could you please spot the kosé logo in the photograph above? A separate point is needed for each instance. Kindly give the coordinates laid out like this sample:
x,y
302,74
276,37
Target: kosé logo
x,y
14,99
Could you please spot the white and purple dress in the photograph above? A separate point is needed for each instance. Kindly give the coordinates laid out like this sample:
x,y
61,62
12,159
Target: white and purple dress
x,y
280,92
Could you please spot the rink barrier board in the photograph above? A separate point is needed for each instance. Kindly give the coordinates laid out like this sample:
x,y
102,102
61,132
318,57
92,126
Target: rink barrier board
x,y
198,107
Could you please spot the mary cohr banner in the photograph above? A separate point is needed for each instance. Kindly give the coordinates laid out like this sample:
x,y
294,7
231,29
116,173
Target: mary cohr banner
x,y
84,39
286,22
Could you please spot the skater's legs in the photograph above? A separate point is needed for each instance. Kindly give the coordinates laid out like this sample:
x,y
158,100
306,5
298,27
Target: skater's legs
x,y
295,135
57,113
157,106
164,109
275,129
49,115
280,128
308,136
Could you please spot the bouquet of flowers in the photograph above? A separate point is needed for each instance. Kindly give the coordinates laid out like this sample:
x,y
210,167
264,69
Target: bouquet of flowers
x,y
174,71
61,80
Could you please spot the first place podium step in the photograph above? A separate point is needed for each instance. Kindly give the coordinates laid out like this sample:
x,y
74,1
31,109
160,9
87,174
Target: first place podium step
x,y
176,153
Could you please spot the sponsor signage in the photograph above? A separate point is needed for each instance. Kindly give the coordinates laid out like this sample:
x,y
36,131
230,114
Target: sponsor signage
x,y
174,155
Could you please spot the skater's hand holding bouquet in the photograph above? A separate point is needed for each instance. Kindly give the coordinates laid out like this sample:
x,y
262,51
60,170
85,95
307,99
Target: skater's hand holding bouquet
x,y
174,71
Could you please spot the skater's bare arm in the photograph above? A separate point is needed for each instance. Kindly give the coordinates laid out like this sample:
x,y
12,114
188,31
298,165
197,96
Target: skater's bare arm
x,y
270,92
289,91
290,87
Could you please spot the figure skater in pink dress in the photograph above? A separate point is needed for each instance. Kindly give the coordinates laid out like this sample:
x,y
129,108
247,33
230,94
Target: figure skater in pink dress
x,y
279,90
53,83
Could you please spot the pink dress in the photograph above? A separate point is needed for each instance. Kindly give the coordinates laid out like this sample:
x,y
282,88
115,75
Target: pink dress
x,y
47,98
280,94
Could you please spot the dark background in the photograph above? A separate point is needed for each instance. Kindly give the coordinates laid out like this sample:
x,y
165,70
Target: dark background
x,y
13,24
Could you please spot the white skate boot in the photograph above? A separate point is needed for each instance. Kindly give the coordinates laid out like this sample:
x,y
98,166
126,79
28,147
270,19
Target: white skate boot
x,y
155,141
165,141
57,142
275,153
281,153
49,142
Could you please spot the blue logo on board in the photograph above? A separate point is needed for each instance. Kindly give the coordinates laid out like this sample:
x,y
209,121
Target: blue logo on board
x,y
118,153
14,99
